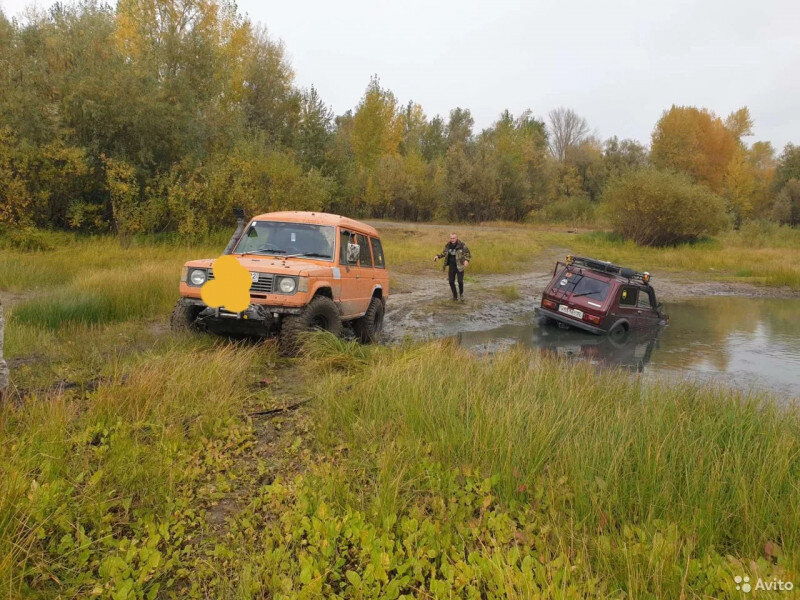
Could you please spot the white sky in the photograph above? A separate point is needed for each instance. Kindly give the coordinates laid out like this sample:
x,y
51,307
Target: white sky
x,y
619,63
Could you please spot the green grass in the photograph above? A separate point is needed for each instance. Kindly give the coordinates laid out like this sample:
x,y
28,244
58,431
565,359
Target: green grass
x,y
621,466
411,250
101,491
770,253
416,470
74,256
772,259
105,295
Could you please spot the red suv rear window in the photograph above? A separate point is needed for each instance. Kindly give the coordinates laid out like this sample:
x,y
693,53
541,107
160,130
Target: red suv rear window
x,y
582,285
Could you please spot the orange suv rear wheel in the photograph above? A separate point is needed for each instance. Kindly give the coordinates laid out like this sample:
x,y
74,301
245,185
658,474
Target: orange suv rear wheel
x,y
369,327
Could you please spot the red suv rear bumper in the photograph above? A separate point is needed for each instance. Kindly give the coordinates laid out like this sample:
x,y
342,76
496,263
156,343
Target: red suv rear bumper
x,y
556,316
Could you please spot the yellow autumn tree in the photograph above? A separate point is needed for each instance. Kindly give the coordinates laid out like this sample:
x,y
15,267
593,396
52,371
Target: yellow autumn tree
x,y
696,142
377,126
740,187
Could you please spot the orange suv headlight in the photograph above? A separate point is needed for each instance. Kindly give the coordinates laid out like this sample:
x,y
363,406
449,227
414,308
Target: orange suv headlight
x,y
286,285
197,277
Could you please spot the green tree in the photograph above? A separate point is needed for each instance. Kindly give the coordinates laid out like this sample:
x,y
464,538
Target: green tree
x,y
621,156
15,196
270,102
587,158
434,140
459,127
516,150
787,204
415,124
315,130
788,166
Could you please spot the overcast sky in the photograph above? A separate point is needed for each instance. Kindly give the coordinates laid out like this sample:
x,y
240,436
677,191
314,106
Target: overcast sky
x,y
617,63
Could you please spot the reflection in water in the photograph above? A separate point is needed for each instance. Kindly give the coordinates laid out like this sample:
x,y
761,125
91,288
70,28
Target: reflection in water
x,y
633,351
741,341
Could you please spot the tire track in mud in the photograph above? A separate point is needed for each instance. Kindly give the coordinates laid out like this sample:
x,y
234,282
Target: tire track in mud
x,y
428,311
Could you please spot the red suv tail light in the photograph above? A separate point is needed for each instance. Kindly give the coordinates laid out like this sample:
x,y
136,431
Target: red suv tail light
x,y
591,318
548,304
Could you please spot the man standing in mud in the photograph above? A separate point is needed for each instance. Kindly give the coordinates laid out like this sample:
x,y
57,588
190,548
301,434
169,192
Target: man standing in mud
x,y
457,257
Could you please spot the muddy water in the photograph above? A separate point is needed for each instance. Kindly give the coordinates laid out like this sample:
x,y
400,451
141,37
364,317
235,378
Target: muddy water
x,y
744,342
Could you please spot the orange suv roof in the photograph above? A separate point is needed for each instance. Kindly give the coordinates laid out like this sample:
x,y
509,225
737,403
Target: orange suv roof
x,y
317,218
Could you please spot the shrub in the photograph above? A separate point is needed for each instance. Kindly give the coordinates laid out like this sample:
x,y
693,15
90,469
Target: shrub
x,y
659,208
787,204
26,239
570,209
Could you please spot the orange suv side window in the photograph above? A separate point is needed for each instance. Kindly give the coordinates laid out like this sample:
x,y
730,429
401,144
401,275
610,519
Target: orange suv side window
x,y
344,239
377,253
365,258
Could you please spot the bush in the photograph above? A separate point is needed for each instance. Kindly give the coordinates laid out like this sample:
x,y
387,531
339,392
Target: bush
x,y
570,209
659,208
26,239
787,205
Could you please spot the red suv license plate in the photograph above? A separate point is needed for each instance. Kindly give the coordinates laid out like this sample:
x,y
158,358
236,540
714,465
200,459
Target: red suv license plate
x,y
572,312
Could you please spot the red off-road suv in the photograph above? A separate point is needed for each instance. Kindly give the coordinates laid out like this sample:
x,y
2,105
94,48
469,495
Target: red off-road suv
x,y
600,297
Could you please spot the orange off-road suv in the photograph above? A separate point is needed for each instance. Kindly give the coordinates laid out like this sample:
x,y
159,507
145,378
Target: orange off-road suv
x,y
309,270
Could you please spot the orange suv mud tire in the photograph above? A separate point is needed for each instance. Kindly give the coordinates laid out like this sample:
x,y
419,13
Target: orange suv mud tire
x,y
183,316
369,327
320,313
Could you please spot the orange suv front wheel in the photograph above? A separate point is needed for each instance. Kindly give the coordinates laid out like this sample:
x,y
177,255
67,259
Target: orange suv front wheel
x,y
320,313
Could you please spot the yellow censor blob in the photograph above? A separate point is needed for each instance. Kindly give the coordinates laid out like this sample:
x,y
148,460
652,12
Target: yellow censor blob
x,y
230,288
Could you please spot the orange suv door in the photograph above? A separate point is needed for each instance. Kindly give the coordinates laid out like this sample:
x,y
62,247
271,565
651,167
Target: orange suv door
x,y
356,278
366,281
379,268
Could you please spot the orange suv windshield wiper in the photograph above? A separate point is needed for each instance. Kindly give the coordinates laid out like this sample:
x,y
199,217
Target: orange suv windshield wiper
x,y
311,254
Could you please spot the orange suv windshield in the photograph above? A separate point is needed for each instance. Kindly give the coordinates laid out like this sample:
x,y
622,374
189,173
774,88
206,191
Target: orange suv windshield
x,y
283,239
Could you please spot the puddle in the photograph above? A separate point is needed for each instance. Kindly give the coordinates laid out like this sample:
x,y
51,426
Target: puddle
x,y
744,342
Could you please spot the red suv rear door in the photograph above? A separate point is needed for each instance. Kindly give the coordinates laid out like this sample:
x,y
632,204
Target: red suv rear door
x,y
646,304
628,306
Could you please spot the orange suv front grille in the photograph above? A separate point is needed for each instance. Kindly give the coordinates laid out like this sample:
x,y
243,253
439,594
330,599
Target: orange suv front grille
x,y
262,286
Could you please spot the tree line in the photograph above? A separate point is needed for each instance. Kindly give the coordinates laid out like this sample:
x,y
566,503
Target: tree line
x,y
162,115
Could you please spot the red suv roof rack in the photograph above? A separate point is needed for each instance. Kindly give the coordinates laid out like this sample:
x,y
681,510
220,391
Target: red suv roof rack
x,y
603,266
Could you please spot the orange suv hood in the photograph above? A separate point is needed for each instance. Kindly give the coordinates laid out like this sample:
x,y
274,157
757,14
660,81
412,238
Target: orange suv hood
x,y
268,264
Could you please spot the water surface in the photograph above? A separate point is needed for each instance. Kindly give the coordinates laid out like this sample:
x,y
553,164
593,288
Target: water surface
x,y
744,342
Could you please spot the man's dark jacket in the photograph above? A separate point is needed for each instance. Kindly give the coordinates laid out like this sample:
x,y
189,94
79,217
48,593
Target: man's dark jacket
x,y
462,254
